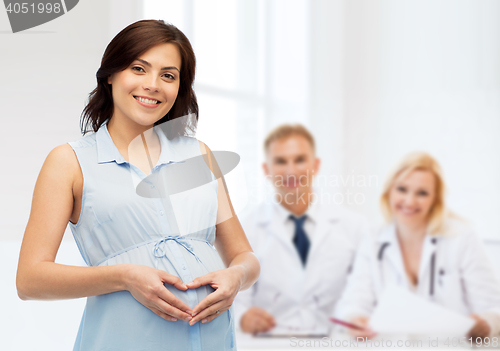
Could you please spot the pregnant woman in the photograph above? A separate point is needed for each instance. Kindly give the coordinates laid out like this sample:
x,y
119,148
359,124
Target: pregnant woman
x,y
164,265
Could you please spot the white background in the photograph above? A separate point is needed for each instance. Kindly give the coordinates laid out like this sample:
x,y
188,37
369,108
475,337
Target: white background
x,y
372,79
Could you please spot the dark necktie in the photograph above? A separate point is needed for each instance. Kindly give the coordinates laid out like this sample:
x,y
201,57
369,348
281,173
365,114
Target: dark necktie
x,y
300,239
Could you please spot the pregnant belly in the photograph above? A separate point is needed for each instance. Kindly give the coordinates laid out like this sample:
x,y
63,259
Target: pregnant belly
x,y
117,321
175,259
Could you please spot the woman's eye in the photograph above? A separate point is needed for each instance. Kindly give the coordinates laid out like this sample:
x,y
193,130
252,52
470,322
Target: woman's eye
x,y
401,189
137,69
423,193
169,76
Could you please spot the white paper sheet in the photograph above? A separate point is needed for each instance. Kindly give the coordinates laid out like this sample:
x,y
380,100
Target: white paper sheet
x,y
399,311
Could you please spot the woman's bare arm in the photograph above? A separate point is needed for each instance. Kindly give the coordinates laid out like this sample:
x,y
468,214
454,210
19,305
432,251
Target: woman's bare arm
x,y
40,278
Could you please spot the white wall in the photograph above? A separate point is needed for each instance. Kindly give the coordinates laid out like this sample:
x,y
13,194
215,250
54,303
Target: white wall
x,y
425,75
372,79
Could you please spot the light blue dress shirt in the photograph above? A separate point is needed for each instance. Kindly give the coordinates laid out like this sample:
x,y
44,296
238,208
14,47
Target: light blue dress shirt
x,y
116,226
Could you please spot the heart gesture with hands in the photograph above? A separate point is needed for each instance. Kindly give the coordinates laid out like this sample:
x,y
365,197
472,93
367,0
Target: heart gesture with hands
x,y
227,283
146,286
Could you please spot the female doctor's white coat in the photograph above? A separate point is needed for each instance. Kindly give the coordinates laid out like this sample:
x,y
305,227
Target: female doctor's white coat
x,y
454,272
300,299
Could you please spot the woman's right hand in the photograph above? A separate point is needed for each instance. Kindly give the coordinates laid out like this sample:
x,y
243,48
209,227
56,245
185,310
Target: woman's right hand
x,y
366,332
146,286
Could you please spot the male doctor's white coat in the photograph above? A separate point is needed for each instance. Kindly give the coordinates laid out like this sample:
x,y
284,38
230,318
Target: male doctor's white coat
x,y
300,298
454,272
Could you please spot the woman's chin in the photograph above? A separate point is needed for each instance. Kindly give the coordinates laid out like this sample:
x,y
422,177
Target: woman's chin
x,y
410,220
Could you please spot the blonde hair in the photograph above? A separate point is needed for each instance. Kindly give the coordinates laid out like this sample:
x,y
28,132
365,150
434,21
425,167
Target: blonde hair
x,y
419,161
287,130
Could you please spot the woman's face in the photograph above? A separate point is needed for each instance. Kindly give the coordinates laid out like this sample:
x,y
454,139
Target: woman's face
x,y
146,90
412,197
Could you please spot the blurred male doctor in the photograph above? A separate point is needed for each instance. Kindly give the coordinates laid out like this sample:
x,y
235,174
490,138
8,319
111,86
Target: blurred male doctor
x,y
305,244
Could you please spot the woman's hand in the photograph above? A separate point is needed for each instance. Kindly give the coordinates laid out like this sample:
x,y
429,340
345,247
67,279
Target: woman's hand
x,y
226,282
481,329
366,332
256,320
146,286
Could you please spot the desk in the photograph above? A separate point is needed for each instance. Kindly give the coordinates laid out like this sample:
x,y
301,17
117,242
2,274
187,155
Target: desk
x,y
341,341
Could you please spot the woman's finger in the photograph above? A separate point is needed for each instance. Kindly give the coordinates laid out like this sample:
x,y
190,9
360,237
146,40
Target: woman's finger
x,y
210,311
209,300
172,280
213,315
164,315
172,311
203,280
165,297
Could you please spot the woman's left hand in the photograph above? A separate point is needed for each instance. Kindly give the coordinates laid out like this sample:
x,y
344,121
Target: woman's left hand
x,y
227,283
481,329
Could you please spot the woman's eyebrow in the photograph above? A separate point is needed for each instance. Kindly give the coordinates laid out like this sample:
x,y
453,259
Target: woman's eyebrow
x,y
149,65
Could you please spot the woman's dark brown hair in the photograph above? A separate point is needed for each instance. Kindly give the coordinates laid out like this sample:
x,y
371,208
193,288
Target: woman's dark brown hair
x,y
127,46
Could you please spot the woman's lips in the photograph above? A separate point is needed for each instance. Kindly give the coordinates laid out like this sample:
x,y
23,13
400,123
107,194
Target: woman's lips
x,y
145,104
407,212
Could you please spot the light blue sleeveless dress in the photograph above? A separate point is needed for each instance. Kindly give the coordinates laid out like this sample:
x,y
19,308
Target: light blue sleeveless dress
x,y
116,226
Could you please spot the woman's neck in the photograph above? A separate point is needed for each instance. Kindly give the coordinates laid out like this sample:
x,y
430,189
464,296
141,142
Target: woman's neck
x,y
411,233
124,136
123,133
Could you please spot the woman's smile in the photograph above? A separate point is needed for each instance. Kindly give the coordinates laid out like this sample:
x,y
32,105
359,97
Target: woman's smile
x,y
147,102
407,211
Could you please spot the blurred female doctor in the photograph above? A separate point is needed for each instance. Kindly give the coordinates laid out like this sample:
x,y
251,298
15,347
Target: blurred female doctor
x,y
424,248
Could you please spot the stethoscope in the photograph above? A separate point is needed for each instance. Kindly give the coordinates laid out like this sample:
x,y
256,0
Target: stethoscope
x,y
384,245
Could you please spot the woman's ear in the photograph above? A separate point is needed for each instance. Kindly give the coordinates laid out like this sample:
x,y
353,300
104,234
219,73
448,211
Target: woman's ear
x,y
109,80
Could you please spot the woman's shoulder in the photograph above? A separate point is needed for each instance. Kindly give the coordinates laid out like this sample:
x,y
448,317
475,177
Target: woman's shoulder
x,y
62,157
85,141
460,233
73,151
455,226
61,165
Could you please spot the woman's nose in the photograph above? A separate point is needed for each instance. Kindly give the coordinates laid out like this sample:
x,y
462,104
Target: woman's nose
x,y
151,85
410,199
